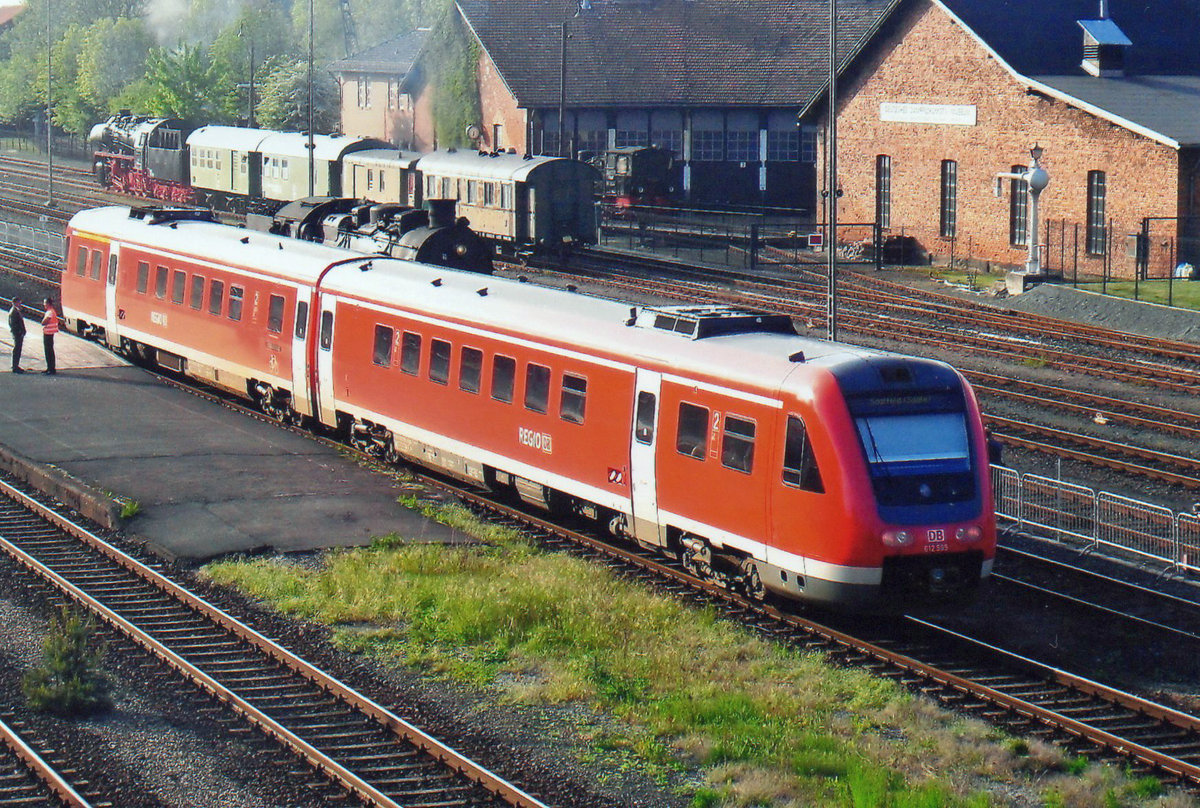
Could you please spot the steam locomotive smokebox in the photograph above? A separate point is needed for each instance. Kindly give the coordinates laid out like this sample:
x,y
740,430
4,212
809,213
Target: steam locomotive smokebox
x,y
441,212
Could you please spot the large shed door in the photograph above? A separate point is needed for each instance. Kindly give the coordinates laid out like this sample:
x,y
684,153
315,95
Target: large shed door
x,y
642,468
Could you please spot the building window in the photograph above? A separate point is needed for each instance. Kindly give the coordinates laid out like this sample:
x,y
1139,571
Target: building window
x,y
594,141
1018,210
949,207
808,146
393,93
708,145
669,139
783,147
1097,231
742,147
364,93
883,190
630,137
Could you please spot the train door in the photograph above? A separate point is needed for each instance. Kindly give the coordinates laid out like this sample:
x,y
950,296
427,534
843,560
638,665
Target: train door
x,y
301,397
326,408
643,444
112,316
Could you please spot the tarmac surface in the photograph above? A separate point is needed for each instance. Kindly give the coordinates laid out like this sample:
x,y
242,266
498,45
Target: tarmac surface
x,y
208,480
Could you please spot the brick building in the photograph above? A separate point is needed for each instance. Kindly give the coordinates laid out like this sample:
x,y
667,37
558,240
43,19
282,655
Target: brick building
x,y
719,82
951,93
375,99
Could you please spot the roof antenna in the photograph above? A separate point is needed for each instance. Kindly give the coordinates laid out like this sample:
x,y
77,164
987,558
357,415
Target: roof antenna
x,y
1104,9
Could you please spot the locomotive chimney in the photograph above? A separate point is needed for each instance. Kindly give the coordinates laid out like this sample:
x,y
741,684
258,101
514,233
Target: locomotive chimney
x,y
441,212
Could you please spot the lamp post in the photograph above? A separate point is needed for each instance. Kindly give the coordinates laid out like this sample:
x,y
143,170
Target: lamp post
x,y
831,182
49,119
1036,179
312,168
562,90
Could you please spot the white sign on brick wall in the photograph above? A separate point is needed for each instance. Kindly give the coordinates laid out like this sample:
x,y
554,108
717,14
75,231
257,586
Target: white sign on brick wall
x,y
942,114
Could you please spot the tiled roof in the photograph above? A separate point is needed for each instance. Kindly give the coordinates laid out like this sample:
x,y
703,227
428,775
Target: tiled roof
x,y
669,52
1042,37
394,57
9,13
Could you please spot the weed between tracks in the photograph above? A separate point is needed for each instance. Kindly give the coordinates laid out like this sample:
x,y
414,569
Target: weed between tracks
x,y
689,692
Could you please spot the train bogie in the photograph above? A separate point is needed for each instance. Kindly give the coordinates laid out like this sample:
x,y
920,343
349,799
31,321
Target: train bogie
x,y
761,460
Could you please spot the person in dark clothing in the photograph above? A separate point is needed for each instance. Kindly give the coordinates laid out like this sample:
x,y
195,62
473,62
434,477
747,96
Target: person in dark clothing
x,y
16,327
49,329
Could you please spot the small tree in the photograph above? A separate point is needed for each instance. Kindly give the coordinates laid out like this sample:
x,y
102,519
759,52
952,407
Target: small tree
x,y
70,681
284,103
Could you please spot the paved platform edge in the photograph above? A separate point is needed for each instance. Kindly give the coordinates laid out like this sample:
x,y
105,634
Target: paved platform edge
x,y
56,483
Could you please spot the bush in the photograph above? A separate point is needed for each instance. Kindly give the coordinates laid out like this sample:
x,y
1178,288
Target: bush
x,y
70,681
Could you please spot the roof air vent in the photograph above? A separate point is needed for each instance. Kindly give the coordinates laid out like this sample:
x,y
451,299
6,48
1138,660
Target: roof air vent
x,y
698,322
1104,46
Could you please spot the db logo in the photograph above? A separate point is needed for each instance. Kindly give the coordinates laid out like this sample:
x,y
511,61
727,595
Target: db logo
x,y
935,535
616,476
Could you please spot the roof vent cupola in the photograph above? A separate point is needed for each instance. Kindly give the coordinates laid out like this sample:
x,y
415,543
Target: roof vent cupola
x,y
1104,45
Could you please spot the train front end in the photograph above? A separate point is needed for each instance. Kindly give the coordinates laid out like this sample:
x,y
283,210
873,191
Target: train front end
x,y
915,485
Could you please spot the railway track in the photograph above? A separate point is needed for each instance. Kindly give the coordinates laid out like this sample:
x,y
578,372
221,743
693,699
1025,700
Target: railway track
x,y
348,743
28,778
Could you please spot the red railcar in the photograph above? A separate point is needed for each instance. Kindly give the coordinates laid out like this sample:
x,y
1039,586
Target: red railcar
x,y
763,460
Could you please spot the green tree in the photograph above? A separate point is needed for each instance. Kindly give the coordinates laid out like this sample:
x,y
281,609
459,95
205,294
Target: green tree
x,y
181,83
113,57
284,103
70,681
263,26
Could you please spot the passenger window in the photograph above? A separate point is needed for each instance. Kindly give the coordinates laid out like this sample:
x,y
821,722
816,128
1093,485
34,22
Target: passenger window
x,y
81,261
799,464
235,302
216,297
301,319
643,424
197,297
178,285
410,353
143,279
439,361
382,355
692,438
470,369
97,264
112,270
275,314
737,444
574,398
504,374
537,387
160,282
326,330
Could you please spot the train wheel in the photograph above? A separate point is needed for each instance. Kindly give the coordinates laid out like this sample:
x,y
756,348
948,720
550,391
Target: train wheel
x,y
752,581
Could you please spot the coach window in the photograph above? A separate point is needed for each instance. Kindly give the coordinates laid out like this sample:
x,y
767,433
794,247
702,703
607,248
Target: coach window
x,y
301,319
235,302
799,463
97,264
143,279
504,374
489,194
275,314
410,353
506,196
537,387
160,282
197,297
112,269
472,191
382,355
178,285
216,297
326,330
470,369
692,438
574,398
737,444
643,424
439,361
81,261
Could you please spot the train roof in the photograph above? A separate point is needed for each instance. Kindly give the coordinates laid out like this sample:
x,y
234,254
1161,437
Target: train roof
x,y
486,165
236,138
269,254
325,147
384,157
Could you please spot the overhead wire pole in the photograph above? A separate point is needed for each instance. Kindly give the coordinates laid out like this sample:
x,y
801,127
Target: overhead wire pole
x,y
312,168
831,183
49,129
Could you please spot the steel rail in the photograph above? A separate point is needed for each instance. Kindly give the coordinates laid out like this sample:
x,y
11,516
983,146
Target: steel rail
x,y
412,734
41,769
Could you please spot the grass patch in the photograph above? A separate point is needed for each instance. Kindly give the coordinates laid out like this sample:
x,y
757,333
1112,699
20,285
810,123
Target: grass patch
x,y
1181,293
768,726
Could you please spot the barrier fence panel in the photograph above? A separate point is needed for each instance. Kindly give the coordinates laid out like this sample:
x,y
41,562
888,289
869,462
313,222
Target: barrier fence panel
x,y
1006,488
31,239
1067,510
1187,534
1135,526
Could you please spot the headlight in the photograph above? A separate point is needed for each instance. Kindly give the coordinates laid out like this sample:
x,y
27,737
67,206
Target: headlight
x,y
967,535
896,538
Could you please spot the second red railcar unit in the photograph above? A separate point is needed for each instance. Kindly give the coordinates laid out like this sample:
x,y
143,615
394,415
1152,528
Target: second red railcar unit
x,y
762,459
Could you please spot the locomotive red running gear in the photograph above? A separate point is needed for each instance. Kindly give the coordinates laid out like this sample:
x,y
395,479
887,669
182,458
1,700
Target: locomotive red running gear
x,y
761,459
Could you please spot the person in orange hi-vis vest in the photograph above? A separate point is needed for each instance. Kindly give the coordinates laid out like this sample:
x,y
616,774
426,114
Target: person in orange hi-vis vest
x,y
49,329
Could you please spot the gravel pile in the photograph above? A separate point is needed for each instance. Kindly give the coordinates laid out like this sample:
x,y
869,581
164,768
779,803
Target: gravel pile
x,y
1119,314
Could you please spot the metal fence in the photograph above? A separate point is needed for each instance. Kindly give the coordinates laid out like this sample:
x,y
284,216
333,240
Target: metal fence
x,y
33,240
1090,520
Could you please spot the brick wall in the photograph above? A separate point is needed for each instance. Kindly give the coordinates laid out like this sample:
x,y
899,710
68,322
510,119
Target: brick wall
x,y
497,106
930,59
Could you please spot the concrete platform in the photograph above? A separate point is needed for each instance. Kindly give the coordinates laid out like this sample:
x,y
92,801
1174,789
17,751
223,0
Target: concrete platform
x,y
209,480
